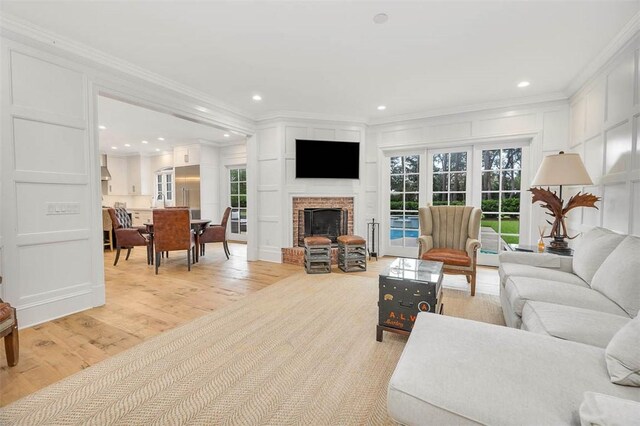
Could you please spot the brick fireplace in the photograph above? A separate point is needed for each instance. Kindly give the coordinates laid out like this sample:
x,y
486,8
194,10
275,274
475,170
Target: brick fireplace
x,y
295,254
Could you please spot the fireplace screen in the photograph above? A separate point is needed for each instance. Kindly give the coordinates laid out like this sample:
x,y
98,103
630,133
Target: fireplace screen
x,y
329,223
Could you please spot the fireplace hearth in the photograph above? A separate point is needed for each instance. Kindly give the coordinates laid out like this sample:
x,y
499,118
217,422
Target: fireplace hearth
x,y
322,222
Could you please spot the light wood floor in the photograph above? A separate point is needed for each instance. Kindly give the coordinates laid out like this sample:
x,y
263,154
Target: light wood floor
x,y
139,305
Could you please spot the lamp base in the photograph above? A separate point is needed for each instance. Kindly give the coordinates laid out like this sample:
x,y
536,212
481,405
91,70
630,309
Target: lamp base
x,y
559,246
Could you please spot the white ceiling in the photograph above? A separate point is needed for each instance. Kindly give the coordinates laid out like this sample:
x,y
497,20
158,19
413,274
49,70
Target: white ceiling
x,y
131,124
329,57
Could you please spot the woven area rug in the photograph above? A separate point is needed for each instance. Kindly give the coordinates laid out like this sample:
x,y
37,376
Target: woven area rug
x,y
302,351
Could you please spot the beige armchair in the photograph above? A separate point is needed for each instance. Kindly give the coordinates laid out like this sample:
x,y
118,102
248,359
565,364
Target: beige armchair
x,y
449,234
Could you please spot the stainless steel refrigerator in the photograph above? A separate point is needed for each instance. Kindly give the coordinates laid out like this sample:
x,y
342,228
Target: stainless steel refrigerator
x,y
188,189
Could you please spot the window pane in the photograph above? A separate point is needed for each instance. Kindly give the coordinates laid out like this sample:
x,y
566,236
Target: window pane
x,y
396,165
440,182
396,202
510,202
411,201
234,188
490,202
441,162
243,201
242,175
169,195
243,188
243,213
440,199
411,183
234,175
491,159
458,199
169,178
396,183
510,226
511,180
490,181
411,221
159,179
458,182
458,161
512,158
411,238
412,164
234,201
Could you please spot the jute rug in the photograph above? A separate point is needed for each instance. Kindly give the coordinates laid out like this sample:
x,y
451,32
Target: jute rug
x,y
302,351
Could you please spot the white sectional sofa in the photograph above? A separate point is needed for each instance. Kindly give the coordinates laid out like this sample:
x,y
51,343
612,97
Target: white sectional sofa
x,y
571,353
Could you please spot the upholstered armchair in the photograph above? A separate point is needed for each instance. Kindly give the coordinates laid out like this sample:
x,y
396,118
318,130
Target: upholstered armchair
x,y
172,231
216,234
128,236
449,234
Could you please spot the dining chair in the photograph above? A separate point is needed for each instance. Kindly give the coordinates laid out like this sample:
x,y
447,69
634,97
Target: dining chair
x,y
9,330
127,236
216,234
172,231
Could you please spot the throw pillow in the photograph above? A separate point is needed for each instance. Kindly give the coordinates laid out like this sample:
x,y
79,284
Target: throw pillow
x,y
618,276
592,249
623,355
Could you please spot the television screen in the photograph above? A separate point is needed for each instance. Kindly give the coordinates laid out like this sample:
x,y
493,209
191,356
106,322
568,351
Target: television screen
x,y
327,159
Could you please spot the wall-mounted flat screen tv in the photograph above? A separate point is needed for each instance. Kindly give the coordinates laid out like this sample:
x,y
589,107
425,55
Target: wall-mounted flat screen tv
x,y
327,159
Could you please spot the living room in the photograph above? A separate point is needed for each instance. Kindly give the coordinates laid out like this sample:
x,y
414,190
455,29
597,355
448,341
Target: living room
x,y
432,94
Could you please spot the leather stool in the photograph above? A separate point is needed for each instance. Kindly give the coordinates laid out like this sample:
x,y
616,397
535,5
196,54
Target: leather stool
x,y
317,255
352,253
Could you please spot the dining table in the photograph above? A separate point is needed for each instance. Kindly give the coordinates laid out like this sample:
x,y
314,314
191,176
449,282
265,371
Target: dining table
x,y
197,225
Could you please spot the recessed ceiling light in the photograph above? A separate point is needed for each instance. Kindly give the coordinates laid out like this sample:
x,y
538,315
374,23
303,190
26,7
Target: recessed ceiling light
x,y
523,84
157,149
145,141
381,107
160,139
127,145
226,135
380,18
256,98
114,147
101,127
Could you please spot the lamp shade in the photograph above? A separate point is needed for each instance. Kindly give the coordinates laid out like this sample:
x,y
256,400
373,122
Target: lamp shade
x,y
562,169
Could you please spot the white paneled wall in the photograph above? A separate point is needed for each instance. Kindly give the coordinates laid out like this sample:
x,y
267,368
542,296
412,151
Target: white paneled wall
x,y
544,127
210,182
604,130
277,185
50,235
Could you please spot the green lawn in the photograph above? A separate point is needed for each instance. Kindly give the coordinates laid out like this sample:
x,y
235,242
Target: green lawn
x,y
509,226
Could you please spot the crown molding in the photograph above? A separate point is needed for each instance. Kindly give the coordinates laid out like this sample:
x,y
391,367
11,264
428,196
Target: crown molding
x,y
619,42
310,116
485,106
20,30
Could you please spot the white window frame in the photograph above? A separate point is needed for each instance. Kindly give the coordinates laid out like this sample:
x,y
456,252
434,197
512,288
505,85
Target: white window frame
x,y
239,236
429,175
162,174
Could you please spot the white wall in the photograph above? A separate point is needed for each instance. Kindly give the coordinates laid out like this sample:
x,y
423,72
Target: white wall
x,y
543,126
277,184
604,130
210,182
49,160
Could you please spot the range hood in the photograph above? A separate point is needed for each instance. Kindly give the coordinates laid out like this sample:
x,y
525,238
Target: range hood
x,y
104,172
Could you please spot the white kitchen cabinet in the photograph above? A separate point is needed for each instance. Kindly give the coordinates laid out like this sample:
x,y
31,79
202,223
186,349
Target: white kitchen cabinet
x,y
141,216
187,155
139,175
117,185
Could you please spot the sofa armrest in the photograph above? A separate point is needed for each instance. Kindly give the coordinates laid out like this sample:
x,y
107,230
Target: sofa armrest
x,y
425,243
541,260
599,409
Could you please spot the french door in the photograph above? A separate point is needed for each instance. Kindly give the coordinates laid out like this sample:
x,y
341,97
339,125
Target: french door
x,y
238,200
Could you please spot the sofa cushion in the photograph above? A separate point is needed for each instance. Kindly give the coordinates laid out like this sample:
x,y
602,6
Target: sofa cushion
x,y
521,289
618,277
623,355
603,410
592,249
494,375
448,256
571,323
518,270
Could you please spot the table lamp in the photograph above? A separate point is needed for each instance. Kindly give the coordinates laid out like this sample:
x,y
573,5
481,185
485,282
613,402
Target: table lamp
x,y
560,170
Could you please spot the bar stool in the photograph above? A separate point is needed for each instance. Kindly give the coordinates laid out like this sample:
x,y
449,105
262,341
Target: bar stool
x,y
317,255
352,253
